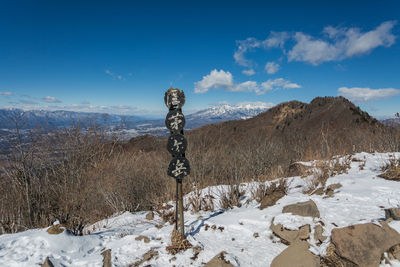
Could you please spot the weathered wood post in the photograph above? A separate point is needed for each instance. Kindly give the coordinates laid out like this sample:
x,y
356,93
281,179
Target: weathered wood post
x,y
179,166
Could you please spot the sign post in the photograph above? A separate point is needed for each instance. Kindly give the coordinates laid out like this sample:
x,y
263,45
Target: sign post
x,y
179,166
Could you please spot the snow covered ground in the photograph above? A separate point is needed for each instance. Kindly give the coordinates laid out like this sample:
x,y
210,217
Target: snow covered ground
x,y
362,198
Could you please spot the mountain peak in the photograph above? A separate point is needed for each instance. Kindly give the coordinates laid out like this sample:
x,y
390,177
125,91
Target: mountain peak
x,y
238,111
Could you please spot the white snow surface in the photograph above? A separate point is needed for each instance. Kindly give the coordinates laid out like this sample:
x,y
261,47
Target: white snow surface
x,y
361,199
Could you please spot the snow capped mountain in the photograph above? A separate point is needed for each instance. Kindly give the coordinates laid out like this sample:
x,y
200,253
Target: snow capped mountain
x,y
392,122
226,112
130,126
233,112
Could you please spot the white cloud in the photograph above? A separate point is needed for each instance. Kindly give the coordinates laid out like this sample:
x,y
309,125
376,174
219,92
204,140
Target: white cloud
x,y
6,93
342,43
51,99
28,102
358,94
113,75
335,44
313,51
274,40
215,80
271,67
279,83
244,46
247,86
248,72
221,80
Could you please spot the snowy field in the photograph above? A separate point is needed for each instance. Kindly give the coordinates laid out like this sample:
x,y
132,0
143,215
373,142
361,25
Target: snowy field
x,y
361,199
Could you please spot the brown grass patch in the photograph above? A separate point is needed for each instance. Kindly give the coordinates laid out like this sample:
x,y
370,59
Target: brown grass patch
x,y
391,171
178,243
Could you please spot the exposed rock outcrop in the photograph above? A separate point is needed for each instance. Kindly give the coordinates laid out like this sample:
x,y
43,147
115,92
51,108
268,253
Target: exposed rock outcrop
x,y
308,208
364,244
296,255
290,236
219,261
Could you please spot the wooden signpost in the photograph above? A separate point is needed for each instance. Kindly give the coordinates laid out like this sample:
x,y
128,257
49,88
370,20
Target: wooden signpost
x,y
179,166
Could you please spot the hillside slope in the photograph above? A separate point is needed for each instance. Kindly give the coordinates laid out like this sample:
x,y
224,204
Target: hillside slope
x,y
361,199
326,126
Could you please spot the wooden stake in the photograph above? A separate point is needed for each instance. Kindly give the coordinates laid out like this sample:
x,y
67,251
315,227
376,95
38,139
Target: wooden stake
x,y
180,203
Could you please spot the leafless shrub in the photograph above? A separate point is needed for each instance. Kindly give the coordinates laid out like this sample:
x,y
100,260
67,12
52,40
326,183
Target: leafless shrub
x,y
362,165
391,170
199,202
313,183
46,179
261,190
81,176
325,169
231,197
167,215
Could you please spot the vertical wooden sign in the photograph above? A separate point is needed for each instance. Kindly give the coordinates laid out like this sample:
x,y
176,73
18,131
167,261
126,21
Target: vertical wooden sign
x,y
179,166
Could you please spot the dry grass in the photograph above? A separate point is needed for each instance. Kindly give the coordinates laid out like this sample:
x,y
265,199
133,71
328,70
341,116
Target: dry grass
x,y
178,243
197,202
231,197
261,190
80,177
324,170
391,171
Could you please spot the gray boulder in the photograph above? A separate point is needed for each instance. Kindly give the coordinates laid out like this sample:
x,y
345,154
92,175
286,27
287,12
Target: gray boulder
x,y
364,244
308,208
290,236
219,261
393,213
296,255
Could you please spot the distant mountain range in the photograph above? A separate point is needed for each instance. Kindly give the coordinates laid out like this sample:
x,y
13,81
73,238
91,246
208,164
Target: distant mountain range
x,y
54,119
395,122
130,126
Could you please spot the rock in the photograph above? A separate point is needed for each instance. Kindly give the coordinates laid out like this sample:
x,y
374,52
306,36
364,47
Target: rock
x,y
393,213
47,263
106,258
364,244
296,255
196,252
142,237
331,259
334,186
318,230
255,235
290,236
149,255
146,257
197,249
271,199
330,190
329,193
394,252
319,191
219,261
55,230
150,216
308,208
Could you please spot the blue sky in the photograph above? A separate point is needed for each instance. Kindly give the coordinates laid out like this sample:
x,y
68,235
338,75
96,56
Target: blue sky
x,y
121,56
